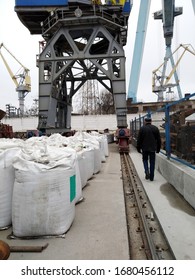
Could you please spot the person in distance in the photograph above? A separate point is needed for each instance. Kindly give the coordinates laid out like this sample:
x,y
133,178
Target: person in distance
x,y
149,143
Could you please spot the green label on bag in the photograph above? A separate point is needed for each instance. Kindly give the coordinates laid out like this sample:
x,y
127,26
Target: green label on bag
x,y
72,187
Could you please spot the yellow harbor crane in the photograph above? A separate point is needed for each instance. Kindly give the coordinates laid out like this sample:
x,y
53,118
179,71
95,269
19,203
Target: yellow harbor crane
x,y
162,81
21,80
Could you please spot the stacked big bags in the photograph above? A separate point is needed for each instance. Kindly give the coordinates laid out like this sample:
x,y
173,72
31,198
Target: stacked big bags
x,y
42,180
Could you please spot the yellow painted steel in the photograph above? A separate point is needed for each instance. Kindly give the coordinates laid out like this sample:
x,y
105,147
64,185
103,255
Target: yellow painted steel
x,y
115,2
26,76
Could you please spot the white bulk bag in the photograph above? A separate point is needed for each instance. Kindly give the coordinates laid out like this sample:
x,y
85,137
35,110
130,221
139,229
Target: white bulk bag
x,y
6,185
103,144
60,141
105,141
78,196
91,142
82,167
89,161
97,160
44,193
6,143
102,149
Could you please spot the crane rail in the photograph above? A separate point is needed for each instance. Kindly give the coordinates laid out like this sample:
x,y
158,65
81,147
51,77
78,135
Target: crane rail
x,y
147,240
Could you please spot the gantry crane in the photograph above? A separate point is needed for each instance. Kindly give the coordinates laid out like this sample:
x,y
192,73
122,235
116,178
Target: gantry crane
x,y
83,40
21,80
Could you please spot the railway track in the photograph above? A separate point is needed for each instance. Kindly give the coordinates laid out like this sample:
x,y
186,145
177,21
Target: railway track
x,y
146,237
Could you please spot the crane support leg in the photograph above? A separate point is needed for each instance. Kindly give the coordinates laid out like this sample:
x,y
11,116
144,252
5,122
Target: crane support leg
x,y
193,4
165,78
65,65
119,93
138,49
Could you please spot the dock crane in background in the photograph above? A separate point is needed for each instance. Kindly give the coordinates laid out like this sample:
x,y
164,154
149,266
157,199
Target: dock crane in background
x,y
21,80
160,83
167,15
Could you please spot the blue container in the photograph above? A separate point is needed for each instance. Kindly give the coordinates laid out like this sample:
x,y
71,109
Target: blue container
x,y
27,3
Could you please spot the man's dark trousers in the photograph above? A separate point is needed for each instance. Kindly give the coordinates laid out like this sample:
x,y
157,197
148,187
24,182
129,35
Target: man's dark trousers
x,y
149,156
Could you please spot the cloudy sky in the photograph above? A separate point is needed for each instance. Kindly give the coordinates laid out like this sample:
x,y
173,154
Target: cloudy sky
x,y
25,46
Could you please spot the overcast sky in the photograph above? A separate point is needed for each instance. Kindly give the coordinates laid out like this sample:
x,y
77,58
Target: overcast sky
x,y
25,46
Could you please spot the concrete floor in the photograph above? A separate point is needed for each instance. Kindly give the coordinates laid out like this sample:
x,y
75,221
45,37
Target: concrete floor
x,y
176,216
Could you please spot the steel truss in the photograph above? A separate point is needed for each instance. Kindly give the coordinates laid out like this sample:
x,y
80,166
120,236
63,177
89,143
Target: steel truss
x,y
73,54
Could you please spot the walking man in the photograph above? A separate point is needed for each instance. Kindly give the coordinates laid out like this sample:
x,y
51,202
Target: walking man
x,y
149,143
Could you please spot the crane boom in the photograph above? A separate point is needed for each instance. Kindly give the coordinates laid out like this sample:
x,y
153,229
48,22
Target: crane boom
x,y
2,45
9,70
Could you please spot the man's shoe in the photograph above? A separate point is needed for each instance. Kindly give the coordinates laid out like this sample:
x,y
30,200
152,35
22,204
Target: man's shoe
x,y
151,179
147,175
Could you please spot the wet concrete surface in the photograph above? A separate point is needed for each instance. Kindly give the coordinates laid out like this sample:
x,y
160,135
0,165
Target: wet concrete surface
x,y
176,216
176,200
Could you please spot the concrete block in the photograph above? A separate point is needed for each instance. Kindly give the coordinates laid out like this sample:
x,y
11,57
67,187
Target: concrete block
x,y
179,175
171,171
189,187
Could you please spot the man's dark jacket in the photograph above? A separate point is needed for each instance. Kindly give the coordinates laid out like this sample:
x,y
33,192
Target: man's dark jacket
x,y
149,139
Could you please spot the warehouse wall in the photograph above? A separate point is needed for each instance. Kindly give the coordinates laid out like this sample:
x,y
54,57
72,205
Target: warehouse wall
x,y
86,122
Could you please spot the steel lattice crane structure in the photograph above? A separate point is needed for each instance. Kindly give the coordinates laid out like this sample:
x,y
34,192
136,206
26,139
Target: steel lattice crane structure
x,y
167,15
21,80
74,34
160,82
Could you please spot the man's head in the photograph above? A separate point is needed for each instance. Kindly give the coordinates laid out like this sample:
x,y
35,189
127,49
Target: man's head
x,y
148,120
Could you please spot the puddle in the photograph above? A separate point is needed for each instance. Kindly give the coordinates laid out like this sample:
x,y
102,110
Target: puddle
x,y
176,200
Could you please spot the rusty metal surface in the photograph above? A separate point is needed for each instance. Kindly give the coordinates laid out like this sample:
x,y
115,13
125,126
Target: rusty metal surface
x,y
2,114
4,250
